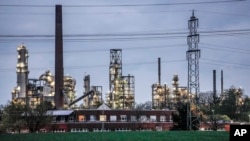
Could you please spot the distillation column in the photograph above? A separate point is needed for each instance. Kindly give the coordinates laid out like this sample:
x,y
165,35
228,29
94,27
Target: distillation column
x,y
20,92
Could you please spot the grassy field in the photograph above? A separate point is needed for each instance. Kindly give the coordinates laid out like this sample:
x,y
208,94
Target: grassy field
x,y
121,136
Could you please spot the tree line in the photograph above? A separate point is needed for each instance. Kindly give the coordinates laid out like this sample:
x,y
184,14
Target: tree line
x,y
231,106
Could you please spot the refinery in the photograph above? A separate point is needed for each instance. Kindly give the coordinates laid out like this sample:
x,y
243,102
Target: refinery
x,y
117,107
121,95
59,89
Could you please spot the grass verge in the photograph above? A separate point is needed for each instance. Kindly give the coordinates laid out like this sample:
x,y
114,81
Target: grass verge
x,y
121,136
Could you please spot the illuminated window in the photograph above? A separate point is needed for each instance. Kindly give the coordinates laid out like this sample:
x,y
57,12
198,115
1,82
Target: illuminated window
x,y
81,118
103,118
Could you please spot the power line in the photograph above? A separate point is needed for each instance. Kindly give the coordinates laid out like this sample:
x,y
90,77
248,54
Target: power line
x,y
101,13
96,66
231,31
130,5
223,13
225,62
207,61
103,49
223,48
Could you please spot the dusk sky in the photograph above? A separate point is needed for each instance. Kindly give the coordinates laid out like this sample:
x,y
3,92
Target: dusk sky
x,y
143,29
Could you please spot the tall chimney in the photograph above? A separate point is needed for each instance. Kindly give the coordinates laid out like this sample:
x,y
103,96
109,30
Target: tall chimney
x,y
159,71
214,85
222,82
58,59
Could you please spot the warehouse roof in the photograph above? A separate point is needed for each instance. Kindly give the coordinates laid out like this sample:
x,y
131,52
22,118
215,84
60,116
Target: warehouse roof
x,y
60,112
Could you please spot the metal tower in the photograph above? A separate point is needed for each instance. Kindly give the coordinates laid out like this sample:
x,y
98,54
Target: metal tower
x,y
121,95
115,77
193,55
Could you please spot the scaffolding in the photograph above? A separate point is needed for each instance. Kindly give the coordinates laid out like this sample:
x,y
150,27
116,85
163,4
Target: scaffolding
x,y
121,94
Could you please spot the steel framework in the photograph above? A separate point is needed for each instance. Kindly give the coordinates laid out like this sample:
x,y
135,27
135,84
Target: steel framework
x,y
115,77
121,95
193,55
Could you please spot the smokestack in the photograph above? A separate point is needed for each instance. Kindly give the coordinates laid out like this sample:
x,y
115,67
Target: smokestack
x,y
87,84
214,85
159,71
58,58
222,83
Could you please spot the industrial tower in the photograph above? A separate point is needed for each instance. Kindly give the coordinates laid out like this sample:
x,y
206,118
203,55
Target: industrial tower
x,y
121,95
160,93
59,73
193,55
19,93
92,96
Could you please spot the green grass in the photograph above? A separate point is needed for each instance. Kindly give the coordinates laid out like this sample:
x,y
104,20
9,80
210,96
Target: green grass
x,y
121,136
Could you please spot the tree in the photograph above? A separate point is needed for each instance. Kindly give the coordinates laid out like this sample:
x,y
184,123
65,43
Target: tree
x,y
231,105
245,109
36,118
181,116
12,118
17,116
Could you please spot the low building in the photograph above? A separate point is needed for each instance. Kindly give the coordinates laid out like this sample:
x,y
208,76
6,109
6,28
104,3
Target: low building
x,y
105,119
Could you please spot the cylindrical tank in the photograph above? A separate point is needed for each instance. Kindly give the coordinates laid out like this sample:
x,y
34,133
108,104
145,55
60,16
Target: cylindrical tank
x,y
22,70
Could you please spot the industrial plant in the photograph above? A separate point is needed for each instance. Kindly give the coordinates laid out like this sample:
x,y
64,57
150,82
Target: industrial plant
x,y
117,111
32,91
119,103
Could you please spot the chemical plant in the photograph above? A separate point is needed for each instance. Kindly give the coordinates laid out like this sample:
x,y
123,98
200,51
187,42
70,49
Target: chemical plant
x,y
117,111
60,89
120,96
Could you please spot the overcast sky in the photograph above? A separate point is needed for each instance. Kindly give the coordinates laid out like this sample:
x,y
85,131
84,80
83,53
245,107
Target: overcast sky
x,y
224,27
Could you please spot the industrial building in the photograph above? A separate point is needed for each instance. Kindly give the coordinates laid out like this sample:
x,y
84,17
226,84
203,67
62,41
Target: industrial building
x,y
121,94
120,100
166,97
60,89
32,91
104,119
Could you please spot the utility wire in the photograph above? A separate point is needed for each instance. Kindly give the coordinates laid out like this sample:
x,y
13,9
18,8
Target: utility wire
x,y
223,48
232,31
94,66
102,50
203,61
130,5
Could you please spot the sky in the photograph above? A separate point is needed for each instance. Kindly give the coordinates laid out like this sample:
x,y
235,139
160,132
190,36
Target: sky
x,y
144,30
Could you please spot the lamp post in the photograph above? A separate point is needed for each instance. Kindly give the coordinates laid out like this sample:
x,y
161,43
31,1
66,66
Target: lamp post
x,y
213,115
249,117
213,121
